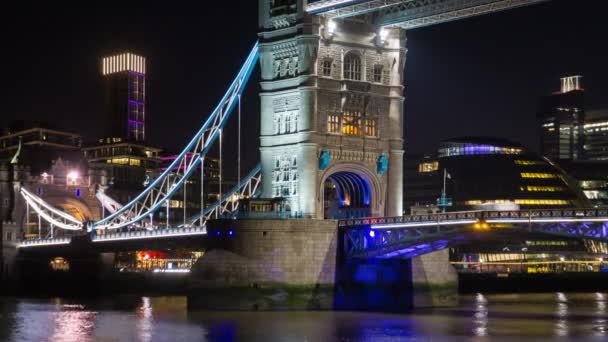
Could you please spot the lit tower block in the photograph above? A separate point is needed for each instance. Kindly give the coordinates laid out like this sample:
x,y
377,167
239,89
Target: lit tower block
x,y
331,112
125,94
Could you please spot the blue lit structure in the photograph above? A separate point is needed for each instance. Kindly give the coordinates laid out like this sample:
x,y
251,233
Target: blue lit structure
x,y
410,236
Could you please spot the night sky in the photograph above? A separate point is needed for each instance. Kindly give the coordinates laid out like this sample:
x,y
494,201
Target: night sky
x,y
481,76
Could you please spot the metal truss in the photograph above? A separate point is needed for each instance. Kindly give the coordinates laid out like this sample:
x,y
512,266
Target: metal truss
x,y
409,236
409,14
174,177
56,217
349,8
248,187
108,203
585,230
399,242
419,13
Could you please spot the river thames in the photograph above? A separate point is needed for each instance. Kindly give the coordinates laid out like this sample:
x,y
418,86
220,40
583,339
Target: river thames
x,y
135,318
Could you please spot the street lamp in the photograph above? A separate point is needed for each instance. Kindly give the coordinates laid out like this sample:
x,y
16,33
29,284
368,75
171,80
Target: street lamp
x,y
71,177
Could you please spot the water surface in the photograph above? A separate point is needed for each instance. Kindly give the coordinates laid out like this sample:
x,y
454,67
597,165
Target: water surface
x,y
478,317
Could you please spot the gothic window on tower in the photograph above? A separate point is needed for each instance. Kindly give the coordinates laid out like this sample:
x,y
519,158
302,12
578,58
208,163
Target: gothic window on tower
x,y
333,123
285,180
378,73
294,124
326,67
352,66
284,66
370,127
293,66
287,121
351,123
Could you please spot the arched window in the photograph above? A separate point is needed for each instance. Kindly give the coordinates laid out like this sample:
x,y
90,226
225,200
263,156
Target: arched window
x,y
326,67
352,67
287,123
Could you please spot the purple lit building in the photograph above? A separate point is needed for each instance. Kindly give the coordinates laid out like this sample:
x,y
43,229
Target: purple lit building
x,y
124,78
122,150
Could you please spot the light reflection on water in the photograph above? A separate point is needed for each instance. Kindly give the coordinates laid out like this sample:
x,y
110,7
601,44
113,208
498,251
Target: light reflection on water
x,y
537,316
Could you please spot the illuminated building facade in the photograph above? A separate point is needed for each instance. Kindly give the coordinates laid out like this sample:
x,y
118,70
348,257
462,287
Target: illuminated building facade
x,y
561,119
576,138
332,96
122,151
489,173
127,165
40,145
124,78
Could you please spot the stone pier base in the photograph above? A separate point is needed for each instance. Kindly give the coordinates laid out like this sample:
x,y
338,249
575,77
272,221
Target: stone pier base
x,y
266,265
434,280
296,265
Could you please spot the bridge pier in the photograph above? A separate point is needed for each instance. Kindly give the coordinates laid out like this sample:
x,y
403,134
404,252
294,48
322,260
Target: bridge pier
x,y
434,280
270,264
266,264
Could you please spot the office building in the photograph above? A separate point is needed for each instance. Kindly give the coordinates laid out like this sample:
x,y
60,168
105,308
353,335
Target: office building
x,y
489,173
561,121
124,79
122,151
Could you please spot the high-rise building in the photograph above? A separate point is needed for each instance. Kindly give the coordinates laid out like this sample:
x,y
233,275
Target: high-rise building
x,y
122,150
596,135
561,119
124,78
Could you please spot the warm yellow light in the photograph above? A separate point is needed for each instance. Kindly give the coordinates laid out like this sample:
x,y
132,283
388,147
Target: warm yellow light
x,y
428,167
529,162
542,202
538,175
123,62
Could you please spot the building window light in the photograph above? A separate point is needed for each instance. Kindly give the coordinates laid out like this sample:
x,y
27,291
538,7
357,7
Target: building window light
x,y
370,127
538,175
351,123
333,124
542,202
428,167
529,162
532,188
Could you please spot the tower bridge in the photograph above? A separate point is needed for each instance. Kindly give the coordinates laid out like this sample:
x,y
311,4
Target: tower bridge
x,y
331,141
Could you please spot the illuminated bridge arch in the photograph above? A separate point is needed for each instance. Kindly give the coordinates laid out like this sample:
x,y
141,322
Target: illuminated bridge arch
x,y
355,186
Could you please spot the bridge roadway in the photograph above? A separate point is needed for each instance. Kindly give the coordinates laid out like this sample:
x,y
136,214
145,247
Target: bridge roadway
x,y
410,236
383,237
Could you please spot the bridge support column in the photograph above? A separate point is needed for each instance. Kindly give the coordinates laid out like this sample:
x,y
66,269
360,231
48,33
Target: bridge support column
x,y
266,265
434,280
8,257
394,201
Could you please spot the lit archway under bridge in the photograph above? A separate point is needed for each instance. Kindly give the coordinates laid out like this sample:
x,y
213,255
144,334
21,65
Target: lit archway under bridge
x,y
347,195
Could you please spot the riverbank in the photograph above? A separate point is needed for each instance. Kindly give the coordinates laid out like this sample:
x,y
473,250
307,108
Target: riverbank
x,y
526,283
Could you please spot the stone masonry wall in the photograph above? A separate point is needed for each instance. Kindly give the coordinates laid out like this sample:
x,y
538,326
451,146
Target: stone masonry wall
x,y
266,265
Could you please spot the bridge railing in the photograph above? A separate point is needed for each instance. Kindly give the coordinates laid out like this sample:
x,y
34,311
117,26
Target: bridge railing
x,y
44,242
147,234
414,219
547,215
463,217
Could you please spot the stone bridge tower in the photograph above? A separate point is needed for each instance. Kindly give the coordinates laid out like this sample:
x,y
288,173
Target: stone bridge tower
x,y
331,112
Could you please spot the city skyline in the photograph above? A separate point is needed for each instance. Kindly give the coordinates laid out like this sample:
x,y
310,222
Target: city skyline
x,y
446,81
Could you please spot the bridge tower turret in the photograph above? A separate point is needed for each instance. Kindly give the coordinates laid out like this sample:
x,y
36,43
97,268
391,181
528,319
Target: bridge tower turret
x,y
331,112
